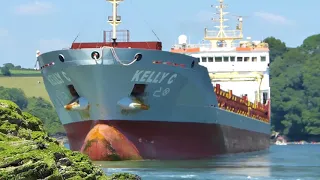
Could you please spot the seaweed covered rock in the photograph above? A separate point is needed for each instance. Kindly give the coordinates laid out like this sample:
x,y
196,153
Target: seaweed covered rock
x,y
27,152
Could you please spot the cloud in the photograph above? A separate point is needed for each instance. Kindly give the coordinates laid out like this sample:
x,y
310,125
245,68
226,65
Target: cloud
x,y
273,18
3,32
35,8
52,44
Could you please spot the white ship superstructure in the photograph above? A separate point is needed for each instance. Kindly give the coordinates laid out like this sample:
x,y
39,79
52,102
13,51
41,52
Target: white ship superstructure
x,y
236,64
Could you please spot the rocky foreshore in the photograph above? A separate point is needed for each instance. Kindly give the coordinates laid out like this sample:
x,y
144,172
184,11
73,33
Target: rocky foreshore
x,y
27,152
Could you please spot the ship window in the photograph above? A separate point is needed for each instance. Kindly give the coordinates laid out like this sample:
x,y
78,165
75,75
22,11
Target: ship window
x,y
232,58
254,59
225,59
246,59
263,58
204,59
264,97
218,59
138,90
239,59
210,59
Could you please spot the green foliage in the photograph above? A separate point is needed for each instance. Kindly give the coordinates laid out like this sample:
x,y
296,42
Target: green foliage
x,y
10,69
36,106
43,109
14,94
27,152
9,65
278,47
5,71
295,86
18,71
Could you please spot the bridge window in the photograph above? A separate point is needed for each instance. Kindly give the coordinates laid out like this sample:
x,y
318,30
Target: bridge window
x,y
210,59
225,59
263,58
254,59
246,59
232,58
204,59
239,59
218,59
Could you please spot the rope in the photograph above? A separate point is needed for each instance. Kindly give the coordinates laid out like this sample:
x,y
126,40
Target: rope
x,y
115,56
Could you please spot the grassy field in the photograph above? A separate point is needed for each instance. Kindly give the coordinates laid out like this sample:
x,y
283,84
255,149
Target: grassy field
x,y
24,73
28,84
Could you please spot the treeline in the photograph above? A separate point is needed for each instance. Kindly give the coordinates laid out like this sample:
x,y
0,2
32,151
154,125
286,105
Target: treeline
x,y
5,69
295,88
37,106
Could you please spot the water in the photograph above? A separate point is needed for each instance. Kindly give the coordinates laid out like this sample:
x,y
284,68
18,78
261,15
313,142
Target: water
x,y
291,162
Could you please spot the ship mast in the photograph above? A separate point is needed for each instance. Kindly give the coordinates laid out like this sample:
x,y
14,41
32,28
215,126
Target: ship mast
x,y
223,38
114,20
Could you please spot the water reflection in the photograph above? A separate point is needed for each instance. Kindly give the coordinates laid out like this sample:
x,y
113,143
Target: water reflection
x,y
251,164
280,162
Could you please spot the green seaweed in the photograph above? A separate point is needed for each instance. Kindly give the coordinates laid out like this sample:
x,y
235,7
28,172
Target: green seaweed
x,y
27,152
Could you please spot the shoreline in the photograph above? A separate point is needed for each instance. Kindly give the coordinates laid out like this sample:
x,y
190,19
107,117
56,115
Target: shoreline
x,y
63,139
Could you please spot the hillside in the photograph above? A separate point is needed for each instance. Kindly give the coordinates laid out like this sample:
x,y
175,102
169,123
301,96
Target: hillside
x,y
27,80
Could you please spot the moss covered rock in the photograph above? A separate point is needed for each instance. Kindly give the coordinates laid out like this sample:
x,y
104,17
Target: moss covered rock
x,y
27,152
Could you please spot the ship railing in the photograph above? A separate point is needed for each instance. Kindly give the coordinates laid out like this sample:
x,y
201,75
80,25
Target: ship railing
x,y
227,33
205,47
241,105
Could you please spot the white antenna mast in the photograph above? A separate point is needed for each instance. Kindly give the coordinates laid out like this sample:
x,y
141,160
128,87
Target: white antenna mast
x,y
114,20
223,37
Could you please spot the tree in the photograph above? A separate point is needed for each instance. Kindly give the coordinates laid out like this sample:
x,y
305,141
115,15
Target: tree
x,y
14,94
5,71
295,89
276,46
17,67
43,109
36,106
311,44
8,65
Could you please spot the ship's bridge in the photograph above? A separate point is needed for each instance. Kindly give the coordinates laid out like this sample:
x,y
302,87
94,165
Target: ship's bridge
x,y
241,56
226,49
235,63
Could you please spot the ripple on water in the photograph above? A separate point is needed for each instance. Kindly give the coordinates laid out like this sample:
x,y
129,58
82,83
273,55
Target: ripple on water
x,y
292,162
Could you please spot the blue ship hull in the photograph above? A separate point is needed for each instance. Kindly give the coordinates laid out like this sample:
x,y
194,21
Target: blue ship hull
x,y
162,106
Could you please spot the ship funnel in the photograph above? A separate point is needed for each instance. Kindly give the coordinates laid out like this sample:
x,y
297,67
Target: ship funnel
x,y
79,105
130,103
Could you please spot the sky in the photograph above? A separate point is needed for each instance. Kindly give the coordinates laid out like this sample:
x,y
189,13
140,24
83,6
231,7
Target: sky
x,y
46,25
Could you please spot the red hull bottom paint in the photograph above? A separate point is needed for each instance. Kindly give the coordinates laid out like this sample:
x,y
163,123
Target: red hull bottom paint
x,y
122,139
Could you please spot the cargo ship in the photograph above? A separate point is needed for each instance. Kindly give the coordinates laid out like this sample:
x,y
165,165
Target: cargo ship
x,y
123,100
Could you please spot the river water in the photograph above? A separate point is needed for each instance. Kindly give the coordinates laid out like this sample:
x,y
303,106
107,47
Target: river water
x,y
291,162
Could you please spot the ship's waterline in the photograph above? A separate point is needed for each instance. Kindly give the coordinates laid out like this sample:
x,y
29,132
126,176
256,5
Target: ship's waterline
x,y
160,140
